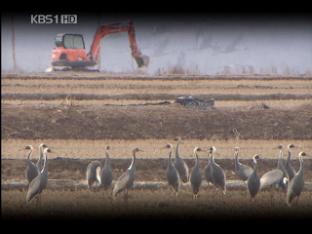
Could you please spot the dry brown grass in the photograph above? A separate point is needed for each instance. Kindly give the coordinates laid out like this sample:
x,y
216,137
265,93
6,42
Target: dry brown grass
x,y
152,90
114,91
122,148
125,84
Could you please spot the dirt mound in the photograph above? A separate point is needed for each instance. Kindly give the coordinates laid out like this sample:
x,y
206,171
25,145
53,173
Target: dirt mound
x,y
159,121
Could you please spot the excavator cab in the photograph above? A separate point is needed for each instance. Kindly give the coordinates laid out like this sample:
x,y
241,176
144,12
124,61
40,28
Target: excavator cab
x,y
70,41
70,52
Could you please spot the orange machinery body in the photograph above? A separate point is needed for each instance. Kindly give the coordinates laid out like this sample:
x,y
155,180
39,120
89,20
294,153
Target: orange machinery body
x,y
72,57
70,48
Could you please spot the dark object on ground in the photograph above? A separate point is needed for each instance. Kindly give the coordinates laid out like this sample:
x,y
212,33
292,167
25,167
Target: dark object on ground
x,y
261,106
190,101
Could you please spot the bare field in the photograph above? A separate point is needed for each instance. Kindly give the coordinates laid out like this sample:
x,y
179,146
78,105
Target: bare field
x,y
44,82
242,93
153,122
78,114
150,85
159,202
230,104
153,90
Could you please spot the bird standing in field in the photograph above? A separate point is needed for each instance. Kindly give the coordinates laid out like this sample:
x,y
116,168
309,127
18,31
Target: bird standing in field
x,y
217,174
40,161
241,170
125,181
172,174
180,164
31,170
196,177
253,182
281,163
91,173
296,184
105,175
39,183
290,171
275,176
207,171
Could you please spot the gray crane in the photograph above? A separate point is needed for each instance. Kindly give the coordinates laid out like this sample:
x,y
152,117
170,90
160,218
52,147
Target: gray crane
x,y
241,170
281,161
207,171
31,170
92,173
275,176
180,165
196,177
125,181
173,177
290,171
253,182
39,183
105,175
39,163
217,174
296,184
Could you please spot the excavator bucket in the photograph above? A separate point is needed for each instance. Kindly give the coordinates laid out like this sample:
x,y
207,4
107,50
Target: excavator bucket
x,y
142,61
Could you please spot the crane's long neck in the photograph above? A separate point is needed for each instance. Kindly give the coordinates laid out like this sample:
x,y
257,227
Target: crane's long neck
x,y
236,161
255,166
279,160
40,154
212,157
39,162
169,158
45,162
300,171
196,161
107,161
177,150
29,154
209,158
289,156
131,167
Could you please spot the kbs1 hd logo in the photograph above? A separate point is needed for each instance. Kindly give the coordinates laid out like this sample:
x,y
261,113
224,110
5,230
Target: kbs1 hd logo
x,y
53,19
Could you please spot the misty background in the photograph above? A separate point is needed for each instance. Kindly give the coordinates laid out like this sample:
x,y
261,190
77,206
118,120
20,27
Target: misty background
x,y
200,45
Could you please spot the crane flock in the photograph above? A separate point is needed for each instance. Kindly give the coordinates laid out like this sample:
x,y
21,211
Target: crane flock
x,y
284,176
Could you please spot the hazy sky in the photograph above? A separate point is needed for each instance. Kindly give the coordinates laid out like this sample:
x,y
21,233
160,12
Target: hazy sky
x,y
204,44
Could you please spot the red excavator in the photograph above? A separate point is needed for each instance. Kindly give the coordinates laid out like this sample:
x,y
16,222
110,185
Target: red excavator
x,y
70,50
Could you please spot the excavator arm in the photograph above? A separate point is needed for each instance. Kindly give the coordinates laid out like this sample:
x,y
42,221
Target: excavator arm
x,y
104,30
